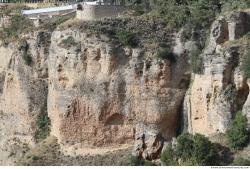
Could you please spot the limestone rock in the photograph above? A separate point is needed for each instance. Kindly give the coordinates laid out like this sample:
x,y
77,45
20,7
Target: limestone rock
x,y
220,89
102,94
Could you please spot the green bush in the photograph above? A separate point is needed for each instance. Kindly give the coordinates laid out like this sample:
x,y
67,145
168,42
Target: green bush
x,y
167,156
27,58
184,147
246,64
191,150
53,23
237,134
239,161
229,5
136,161
42,124
204,152
24,50
68,42
166,53
126,38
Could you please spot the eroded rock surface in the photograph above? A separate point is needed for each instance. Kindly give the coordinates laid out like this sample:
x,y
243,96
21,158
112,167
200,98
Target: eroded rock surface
x,y
102,94
220,89
22,98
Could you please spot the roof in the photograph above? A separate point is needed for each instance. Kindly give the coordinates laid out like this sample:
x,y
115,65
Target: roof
x,y
46,10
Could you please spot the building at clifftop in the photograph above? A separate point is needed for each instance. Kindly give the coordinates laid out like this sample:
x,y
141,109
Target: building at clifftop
x,y
98,11
84,11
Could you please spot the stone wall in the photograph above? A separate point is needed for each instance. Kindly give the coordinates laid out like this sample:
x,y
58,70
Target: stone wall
x,y
92,12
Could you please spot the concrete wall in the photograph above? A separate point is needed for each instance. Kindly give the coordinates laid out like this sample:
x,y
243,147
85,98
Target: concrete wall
x,y
92,12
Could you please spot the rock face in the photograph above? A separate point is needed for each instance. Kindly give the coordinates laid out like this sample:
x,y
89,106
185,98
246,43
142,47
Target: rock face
x,y
102,94
98,93
23,96
219,90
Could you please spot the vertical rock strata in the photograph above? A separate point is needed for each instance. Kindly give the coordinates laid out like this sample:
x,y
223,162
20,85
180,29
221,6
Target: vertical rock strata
x,y
219,90
102,94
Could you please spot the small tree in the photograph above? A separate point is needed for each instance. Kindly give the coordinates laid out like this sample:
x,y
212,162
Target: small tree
x,y
168,155
191,150
204,152
166,53
237,133
184,147
127,38
68,42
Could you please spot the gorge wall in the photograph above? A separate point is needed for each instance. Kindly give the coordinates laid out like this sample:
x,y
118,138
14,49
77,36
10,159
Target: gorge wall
x,y
220,89
98,93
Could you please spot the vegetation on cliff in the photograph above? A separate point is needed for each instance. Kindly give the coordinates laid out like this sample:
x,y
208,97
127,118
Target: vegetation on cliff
x,y
190,150
18,25
238,134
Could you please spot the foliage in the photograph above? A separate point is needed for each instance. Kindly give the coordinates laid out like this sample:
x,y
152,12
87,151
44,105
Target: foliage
x,y
53,23
246,64
14,9
42,123
167,156
191,150
126,38
190,14
68,42
239,161
184,147
237,134
229,5
136,161
24,50
204,152
18,25
166,53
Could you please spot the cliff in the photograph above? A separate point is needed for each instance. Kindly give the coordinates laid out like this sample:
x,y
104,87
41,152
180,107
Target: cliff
x,y
219,90
81,85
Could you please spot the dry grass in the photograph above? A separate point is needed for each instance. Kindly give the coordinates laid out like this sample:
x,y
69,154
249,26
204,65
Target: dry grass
x,y
47,153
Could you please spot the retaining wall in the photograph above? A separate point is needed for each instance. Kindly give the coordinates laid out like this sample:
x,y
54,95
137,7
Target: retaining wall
x,y
93,12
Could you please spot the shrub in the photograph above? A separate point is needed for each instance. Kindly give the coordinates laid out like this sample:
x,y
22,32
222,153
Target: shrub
x,y
204,152
42,124
239,161
53,23
27,58
136,161
229,5
167,156
191,150
237,134
68,42
246,64
24,49
184,147
166,53
126,38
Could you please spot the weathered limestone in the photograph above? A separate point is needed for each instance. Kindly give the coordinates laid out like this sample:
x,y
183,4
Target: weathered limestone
x,y
101,94
22,98
220,89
